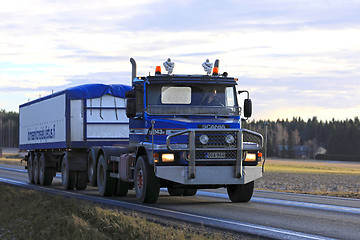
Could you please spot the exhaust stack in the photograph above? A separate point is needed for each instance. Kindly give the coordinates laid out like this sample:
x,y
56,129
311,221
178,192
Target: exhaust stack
x,y
133,63
216,68
217,63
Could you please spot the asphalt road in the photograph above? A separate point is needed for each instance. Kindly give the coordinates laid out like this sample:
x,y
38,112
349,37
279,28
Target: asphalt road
x,y
268,214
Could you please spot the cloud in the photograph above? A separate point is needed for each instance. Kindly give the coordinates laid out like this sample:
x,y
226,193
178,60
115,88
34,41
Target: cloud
x,y
290,54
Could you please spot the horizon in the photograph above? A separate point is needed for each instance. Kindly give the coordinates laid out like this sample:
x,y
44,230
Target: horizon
x,y
297,58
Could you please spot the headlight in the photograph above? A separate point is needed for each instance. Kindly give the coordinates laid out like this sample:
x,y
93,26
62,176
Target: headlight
x,y
230,139
250,157
167,157
204,139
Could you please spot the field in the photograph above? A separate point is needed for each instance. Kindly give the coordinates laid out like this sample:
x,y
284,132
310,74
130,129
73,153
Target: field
x,y
311,177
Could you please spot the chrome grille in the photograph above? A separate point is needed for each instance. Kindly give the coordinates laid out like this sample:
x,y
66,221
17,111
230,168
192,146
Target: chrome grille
x,y
180,142
216,139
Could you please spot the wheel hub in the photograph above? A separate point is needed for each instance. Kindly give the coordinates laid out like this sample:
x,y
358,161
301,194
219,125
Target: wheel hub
x,y
140,180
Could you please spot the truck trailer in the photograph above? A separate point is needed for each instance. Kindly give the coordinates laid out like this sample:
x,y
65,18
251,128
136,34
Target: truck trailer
x,y
180,132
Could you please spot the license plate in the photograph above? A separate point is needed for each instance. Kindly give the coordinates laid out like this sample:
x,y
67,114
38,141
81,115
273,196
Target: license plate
x,y
215,155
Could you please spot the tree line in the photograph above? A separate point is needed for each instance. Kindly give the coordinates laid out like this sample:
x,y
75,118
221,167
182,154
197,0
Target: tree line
x,y
296,138
9,129
300,138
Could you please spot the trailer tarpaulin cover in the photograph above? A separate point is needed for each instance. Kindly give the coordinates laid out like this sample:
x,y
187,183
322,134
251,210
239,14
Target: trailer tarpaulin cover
x,y
96,90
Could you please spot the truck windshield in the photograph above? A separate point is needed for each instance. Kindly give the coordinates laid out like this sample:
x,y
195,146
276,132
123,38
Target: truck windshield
x,y
199,99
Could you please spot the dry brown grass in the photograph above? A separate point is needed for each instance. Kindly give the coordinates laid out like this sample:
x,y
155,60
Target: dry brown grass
x,y
311,166
27,214
12,158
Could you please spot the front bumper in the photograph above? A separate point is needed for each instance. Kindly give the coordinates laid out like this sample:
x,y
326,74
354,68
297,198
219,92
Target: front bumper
x,y
208,175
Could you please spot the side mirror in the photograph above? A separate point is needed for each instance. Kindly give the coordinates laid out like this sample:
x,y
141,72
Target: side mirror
x,y
130,107
247,108
130,94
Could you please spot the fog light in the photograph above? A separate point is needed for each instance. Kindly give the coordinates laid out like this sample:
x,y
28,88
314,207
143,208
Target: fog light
x,y
230,139
167,157
204,139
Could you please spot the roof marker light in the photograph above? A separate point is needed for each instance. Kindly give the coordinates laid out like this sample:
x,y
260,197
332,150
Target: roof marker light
x,y
215,71
158,70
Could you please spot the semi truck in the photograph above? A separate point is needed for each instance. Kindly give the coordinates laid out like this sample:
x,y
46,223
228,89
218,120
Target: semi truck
x,y
180,132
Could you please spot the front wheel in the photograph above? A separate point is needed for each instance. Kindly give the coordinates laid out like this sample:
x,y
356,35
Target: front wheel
x,y
147,185
241,192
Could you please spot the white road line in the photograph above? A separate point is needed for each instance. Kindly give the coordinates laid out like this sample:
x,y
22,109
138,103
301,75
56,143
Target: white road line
x,y
289,203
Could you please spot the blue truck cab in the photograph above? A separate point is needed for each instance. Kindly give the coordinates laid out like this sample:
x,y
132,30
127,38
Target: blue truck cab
x,y
187,135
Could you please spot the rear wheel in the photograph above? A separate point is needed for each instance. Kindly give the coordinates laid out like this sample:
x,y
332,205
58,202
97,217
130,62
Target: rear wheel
x,y
106,184
147,185
175,191
36,168
241,192
92,171
190,192
30,167
81,180
46,175
68,177
122,188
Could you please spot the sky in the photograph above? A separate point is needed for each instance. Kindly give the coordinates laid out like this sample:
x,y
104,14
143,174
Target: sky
x,y
298,58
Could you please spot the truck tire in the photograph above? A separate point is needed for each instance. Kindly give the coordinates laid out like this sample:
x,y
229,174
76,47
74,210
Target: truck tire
x,y
36,168
106,184
122,188
190,192
30,167
147,185
68,177
81,180
92,171
175,191
46,175
241,192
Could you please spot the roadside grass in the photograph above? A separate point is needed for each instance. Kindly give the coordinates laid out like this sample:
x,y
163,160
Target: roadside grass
x,y
311,167
12,156
27,214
